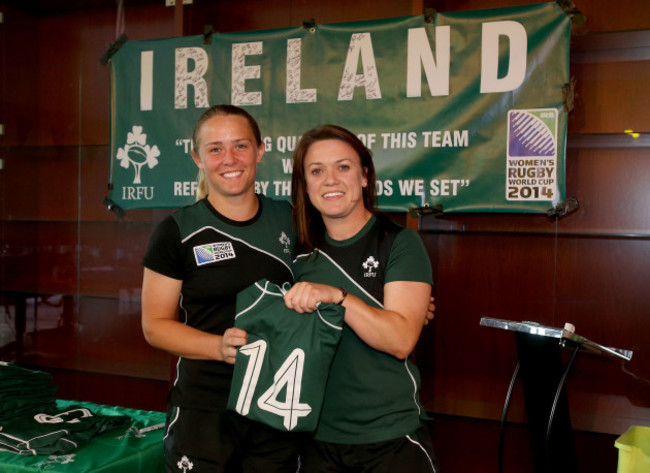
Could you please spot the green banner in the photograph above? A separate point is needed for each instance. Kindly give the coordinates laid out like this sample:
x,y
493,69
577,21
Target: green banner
x,y
464,110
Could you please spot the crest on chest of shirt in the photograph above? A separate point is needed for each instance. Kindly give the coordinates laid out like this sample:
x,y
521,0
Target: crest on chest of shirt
x,y
214,252
369,266
286,241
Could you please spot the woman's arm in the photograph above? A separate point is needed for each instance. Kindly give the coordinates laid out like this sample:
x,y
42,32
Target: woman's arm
x,y
160,295
395,329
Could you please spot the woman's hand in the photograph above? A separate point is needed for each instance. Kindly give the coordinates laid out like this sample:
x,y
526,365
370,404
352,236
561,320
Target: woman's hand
x,y
305,296
232,339
430,311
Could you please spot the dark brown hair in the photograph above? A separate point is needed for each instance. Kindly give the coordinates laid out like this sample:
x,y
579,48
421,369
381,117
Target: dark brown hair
x,y
307,218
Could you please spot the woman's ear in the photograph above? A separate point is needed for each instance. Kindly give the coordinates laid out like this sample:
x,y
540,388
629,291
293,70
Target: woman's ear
x,y
260,151
196,159
364,177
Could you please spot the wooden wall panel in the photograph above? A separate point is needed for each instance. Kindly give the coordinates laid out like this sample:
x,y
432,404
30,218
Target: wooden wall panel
x,y
51,332
95,35
618,90
602,290
478,275
40,257
34,176
58,120
19,251
621,15
610,186
601,15
112,340
111,258
18,93
264,14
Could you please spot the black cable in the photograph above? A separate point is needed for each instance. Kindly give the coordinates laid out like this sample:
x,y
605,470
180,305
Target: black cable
x,y
504,416
560,387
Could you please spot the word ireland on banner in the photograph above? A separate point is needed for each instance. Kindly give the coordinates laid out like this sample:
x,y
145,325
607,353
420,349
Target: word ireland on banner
x,y
463,110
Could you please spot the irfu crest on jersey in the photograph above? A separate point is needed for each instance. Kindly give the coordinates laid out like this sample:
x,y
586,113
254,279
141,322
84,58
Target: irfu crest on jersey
x,y
370,265
286,241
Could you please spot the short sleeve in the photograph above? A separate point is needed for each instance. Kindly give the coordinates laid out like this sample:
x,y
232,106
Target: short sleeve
x,y
408,260
163,253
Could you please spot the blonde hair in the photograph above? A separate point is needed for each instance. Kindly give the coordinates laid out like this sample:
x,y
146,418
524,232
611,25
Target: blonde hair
x,y
202,188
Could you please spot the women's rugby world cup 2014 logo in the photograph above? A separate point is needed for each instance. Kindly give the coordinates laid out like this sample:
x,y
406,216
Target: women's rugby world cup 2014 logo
x,y
137,152
532,155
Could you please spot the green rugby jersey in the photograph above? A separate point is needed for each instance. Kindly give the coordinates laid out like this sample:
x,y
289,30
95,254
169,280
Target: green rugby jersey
x,y
135,447
371,396
23,391
55,431
216,257
280,374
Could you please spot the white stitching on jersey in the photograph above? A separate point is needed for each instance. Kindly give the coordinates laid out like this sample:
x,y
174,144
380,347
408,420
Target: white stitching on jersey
x,y
208,227
178,363
433,467
415,385
263,290
320,316
266,289
180,304
173,421
344,273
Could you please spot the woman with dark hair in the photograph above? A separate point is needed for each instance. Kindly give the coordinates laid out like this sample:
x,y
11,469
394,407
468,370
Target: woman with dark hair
x,y
348,254
197,260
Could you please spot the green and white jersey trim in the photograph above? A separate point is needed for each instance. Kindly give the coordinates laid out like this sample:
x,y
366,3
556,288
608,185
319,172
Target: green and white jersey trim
x,y
349,278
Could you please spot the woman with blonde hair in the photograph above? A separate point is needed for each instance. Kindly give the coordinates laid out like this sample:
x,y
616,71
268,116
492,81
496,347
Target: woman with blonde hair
x,y
197,261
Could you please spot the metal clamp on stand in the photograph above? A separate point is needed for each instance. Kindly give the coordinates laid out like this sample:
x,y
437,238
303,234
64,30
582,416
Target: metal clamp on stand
x,y
543,378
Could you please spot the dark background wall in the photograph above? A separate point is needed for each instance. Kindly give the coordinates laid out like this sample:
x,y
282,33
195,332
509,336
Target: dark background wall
x,y
70,269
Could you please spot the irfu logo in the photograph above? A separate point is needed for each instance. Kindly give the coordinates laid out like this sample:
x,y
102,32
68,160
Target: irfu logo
x,y
286,241
137,153
185,464
370,265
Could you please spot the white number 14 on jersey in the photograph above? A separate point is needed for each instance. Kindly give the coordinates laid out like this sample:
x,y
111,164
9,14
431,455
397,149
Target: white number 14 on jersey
x,y
288,377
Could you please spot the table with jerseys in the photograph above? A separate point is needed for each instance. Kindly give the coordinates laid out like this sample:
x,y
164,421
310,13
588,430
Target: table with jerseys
x,y
39,433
